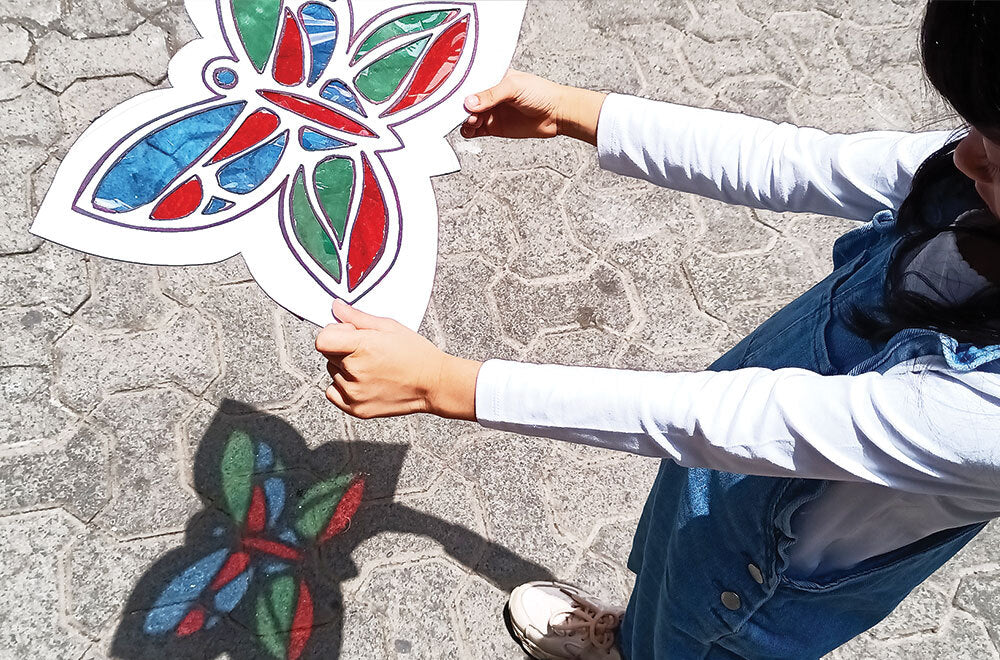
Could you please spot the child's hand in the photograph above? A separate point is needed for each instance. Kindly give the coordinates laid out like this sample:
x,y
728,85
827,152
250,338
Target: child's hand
x,y
380,368
523,105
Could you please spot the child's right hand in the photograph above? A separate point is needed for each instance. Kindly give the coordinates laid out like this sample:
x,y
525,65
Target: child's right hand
x,y
523,105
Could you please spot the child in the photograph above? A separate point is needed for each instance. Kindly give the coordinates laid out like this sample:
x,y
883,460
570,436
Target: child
x,y
833,459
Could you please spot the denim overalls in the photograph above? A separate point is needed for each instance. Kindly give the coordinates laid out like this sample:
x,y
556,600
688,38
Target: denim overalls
x,y
711,548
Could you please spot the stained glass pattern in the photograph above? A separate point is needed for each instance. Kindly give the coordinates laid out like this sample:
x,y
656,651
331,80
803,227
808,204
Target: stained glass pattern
x,y
273,540
308,129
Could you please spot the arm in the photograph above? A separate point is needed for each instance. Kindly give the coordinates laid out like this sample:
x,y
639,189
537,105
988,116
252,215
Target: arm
x,y
918,428
754,162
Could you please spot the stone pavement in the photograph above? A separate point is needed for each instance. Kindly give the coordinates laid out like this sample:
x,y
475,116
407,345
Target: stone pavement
x,y
118,381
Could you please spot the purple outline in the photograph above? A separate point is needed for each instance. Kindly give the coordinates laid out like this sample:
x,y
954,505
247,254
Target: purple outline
x,y
277,48
232,85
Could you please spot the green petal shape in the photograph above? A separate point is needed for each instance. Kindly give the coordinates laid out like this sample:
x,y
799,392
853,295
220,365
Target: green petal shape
x,y
275,609
310,231
257,23
318,504
382,77
334,181
237,474
425,20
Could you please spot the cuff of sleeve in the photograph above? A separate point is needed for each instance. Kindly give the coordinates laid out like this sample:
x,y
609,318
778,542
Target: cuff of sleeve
x,y
610,131
491,382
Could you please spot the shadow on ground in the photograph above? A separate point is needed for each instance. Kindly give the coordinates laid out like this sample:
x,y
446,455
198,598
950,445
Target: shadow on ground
x,y
259,573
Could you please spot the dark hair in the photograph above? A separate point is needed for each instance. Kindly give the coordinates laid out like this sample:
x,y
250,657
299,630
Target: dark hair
x,y
960,48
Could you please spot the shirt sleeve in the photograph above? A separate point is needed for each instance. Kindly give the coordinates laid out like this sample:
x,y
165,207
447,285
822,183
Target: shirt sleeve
x,y
917,428
754,162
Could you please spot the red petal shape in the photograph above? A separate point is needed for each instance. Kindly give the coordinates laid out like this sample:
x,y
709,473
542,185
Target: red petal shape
x,y
236,564
181,203
251,132
272,548
320,113
257,515
370,230
346,509
301,623
191,623
288,66
438,64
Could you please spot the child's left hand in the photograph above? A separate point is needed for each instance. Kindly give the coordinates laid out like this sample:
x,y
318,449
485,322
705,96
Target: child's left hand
x,y
381,368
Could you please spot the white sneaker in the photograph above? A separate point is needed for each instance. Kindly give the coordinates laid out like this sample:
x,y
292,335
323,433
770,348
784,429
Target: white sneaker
x,y
555,621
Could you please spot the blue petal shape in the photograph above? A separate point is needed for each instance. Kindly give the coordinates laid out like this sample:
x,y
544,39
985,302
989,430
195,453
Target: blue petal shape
x,y
321,29
288,536
216,205
246,173
265,458
148,168
271,566
274,493
341,94
315,141
230,595
181,593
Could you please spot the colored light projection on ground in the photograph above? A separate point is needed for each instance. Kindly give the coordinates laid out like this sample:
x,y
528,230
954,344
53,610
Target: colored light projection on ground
x,y
274,529
285,114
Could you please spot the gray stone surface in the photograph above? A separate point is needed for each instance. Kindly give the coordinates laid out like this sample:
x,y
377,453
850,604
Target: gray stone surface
x,y
112,376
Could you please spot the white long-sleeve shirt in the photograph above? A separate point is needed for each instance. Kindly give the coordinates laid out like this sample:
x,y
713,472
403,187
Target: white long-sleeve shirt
x,y
910,452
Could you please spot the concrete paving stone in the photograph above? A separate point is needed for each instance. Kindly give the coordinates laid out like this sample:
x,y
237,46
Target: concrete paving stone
x,y
188,285
730,229
32,116
961,637
419,472
444,438
51,275
599,577
364,636
73,476
246,330
14,78
765,55
62,60
175,22
977,594
597,300
599,220
30,549
924,612
598,63
298,337
15,43
723,282
757,98
91,364
446,521
125,296
835,114
28,333
613,541
816,232
877,12
415,602
589,346
481,158
86,100
16,212
611,17
470,329
30,414
546,246
484,226
812,37
480,616
42,12
976,557
101,572
578,511
100,18
147,494
642,358
718,20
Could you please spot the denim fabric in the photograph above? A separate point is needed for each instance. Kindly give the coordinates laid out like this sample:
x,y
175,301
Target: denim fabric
x,y
701,529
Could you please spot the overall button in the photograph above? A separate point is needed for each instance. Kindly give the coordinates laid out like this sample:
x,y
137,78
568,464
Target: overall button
x,y
731,600
755,573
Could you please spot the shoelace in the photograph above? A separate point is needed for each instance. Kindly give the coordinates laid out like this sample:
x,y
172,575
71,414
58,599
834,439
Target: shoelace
x,y
595,621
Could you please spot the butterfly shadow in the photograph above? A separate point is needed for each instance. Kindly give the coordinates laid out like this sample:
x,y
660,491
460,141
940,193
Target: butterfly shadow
x,y
260,571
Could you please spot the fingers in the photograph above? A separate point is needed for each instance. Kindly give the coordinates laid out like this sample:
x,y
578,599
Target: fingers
x,y
338,339
503,91
358,319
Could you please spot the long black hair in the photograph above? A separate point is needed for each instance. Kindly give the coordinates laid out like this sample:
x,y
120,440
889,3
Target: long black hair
x,y
960,49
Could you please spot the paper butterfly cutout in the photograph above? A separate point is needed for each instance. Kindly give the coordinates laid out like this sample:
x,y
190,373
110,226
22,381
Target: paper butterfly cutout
x,y
294,138
275,529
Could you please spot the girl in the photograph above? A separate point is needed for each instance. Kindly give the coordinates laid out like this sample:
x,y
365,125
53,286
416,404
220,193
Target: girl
x,y
833,459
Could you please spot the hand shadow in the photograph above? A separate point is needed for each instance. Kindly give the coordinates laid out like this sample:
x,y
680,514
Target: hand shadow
x,y
260,570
